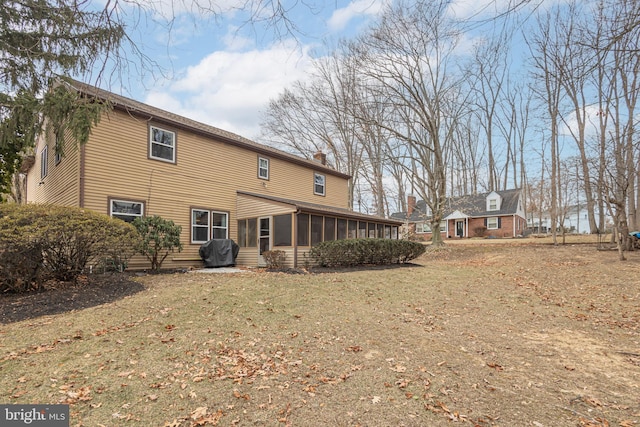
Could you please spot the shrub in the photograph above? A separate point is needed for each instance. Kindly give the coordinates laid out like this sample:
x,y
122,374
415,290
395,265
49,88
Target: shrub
x,y
352,252
480,231
159,237
42,242
275,259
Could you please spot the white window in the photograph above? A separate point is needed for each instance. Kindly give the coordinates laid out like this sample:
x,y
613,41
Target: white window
x,y
318,184
199,226
263,168
206,224
493,204
126,210
219,226
44,164
492,223
162,144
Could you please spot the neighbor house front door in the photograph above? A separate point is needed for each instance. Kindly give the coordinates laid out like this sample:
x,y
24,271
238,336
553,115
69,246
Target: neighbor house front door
x,y
460,228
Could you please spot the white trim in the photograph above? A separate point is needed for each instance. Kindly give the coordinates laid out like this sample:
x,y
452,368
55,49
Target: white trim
x,y
260,168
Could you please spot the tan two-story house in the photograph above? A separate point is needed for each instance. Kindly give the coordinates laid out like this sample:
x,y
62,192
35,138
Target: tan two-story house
x,y
142,160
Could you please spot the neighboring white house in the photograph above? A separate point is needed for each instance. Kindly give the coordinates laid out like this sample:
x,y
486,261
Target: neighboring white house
x,y
576,221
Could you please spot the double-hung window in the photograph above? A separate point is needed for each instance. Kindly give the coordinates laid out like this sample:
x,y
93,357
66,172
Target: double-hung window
x,y
126,210
492,223
263,168
219,226
318,184
207,224
162,144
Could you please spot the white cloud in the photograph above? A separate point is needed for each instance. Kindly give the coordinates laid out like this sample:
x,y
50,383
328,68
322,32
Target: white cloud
x,y
230,89
342,17
570,124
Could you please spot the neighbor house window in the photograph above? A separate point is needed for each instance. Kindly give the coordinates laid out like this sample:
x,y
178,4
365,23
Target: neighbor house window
x,y
263,168
492,223
162,144
206,224
44,164
493,204
318,184
199,225
126,210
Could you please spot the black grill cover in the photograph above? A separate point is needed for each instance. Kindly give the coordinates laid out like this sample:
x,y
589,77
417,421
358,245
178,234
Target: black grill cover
x,y
219,253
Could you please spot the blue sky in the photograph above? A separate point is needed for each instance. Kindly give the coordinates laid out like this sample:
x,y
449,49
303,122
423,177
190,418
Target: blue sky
x,y
222,73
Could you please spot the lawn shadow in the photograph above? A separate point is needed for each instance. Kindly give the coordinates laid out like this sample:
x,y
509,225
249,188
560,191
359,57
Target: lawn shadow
x,y
95,290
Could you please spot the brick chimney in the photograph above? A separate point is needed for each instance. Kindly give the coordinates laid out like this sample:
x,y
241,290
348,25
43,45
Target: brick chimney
x,y
411,205
320,157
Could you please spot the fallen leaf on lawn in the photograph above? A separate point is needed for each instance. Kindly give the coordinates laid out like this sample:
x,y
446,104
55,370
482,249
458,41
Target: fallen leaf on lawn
x,y
199,412
239,395
376,399
399,368
495,366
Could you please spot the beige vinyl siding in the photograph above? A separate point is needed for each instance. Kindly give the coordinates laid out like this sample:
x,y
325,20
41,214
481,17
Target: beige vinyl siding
x,y
207,174
61,186
252,207
247,256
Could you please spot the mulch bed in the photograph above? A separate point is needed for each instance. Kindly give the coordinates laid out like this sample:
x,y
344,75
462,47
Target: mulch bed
x,y
87,291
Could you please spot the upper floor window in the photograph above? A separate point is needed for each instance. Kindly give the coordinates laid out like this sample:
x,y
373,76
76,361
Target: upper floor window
x,y
162,144
318,184
44,164
263,168
493,204
126,210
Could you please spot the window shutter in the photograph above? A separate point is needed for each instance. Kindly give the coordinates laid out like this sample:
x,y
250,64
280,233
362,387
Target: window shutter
x,y
499,222
485,222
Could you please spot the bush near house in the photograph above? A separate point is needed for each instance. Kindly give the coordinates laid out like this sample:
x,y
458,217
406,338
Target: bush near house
x,y
39,243
275,259
352,252
159,237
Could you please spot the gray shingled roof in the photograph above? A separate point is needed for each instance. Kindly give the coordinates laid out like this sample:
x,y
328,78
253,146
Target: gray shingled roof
x,y
147,111
474,206
323,209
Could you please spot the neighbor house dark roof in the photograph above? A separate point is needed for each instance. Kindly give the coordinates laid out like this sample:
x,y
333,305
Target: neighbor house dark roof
x,y
148,112
474,206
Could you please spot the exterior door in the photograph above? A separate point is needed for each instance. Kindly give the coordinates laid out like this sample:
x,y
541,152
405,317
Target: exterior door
x,y
460,228
264,238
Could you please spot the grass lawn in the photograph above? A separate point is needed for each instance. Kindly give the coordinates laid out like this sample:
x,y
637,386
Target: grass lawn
x,y
487,335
